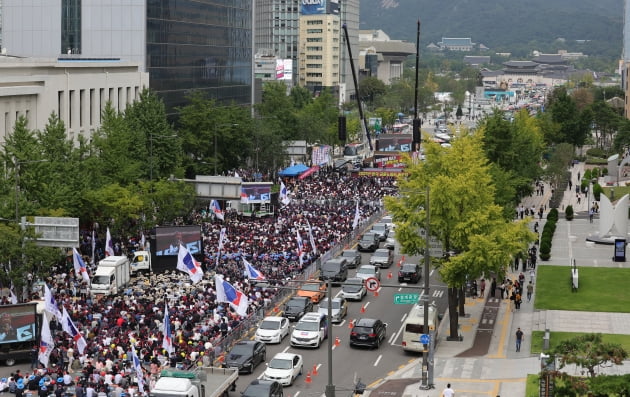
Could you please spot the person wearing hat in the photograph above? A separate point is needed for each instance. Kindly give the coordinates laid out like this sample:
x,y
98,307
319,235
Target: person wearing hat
x,y
4,385
43,391
19,391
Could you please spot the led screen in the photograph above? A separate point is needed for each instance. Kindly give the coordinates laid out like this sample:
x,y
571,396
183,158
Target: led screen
x,y
17,323
168,240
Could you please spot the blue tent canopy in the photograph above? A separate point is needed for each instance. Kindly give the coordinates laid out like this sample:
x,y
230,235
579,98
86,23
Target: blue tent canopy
x,y
294,170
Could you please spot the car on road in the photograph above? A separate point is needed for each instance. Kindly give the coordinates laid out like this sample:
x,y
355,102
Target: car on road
x,y
411,272
353,257
245,356
382,258
339,308
368,242
310,331
354,289
313,289
369,332
297,306
272,329
335,270
366,271
284,368
263,388
381,229
390,243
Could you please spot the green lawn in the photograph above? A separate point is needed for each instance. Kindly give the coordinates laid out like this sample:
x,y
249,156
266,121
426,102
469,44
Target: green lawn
x,y
533,388
601,289
557,337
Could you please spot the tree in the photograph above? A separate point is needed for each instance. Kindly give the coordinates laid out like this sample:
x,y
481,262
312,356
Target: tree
x,y
589,352
371,89
463,216
574,125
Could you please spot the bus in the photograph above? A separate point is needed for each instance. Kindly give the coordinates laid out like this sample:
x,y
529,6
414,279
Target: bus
x,y
413,327
355,152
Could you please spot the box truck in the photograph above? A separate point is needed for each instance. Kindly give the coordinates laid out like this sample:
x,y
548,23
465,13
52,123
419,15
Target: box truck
x,y
111,276
201,382
141,262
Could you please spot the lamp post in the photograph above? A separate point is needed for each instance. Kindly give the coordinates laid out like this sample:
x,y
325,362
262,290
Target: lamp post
x,y
17,183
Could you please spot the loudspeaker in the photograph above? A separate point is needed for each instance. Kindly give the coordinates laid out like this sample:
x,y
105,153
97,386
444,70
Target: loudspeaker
x,y
341,128
416,130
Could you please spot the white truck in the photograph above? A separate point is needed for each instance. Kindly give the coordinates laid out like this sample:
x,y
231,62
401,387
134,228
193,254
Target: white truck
x,y
141,262
111,276
200,382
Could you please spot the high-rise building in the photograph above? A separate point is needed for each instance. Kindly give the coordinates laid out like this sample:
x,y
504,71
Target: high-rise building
x,y
184,45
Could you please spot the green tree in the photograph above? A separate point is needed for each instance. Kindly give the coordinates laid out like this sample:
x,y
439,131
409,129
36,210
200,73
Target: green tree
x,y
277,105
115,206
317,121
371,90
574,125
589,352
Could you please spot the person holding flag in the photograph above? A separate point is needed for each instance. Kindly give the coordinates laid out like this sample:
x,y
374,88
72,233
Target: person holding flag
x,y
222,240
46,343
310,237
216,209
251,273
300,246
228,294
355,223
167,341
187,264
138,368
284,196
50,304
79,266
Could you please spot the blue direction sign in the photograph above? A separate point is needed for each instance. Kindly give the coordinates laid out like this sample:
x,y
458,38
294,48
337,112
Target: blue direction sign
x,y
425,339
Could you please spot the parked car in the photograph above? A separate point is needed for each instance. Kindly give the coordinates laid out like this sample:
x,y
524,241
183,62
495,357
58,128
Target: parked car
x,y
284,368
367,271
297,306
246,355
380,229
313,289
310,331
382,258
368,242
335,270
263,388
368,332
353,257
411,272
388,221
339,309
354,289
272,329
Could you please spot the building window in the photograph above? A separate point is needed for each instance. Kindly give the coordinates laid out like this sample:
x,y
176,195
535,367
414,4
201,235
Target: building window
x,y
71,26
313,30
313,39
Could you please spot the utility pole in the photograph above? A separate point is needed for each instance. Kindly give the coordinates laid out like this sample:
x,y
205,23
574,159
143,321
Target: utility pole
x,y
330,387
427,362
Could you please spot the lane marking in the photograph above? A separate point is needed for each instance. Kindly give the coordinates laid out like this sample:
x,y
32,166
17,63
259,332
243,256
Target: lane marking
x,y
397,334
285,349
378,359
391,339
366,305
403,317
318,366
431,272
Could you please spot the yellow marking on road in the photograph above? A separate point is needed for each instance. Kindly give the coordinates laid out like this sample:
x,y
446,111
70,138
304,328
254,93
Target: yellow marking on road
x,y
466,328
373,384
391,372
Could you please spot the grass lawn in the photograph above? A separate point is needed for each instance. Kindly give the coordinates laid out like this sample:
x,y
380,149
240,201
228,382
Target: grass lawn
x,y
620,191
532,389
601,289
557,337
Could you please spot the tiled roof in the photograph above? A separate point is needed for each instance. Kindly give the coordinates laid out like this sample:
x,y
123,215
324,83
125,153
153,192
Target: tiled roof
x,y
449,41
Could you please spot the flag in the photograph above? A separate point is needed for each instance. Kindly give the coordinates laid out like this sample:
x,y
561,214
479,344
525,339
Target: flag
x,y
227,293
222,238
186,263
93,262
250,271
355,223
79,265
138,368
143,242
284,196
236,175
300,245
72,330
310,237
216,209
109,244
167,341
244,197
46,342
50,304
14,299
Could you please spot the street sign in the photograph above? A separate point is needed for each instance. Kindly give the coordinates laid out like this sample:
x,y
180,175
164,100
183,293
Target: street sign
x,y
372,284
406,299
436,252
425,339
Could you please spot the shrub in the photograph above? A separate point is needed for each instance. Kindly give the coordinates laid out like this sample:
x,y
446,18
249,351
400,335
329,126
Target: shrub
x,y
604,171
587,174
568,213
553,214
596,152
597,190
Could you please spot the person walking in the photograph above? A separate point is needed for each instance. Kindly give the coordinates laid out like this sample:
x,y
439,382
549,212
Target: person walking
x,y
519,339
530,291
493,287
482,287
448,392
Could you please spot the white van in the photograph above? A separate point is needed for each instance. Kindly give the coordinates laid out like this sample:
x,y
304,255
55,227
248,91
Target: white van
x,y
414,327
111,276
310,331
141,262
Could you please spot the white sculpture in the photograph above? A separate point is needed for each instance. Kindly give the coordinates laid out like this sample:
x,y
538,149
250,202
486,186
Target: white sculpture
x,y
613,220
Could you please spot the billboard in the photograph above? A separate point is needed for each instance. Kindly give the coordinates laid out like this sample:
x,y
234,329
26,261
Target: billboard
x,y
169,238
256,192
313,7
394,142
55,231
18,323
388,160
284,69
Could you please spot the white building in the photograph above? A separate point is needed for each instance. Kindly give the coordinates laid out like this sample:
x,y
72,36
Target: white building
x,y
75,89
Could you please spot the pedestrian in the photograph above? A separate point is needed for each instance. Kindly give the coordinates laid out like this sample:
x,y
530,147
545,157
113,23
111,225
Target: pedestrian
x,y
517,300
519,339
34,357
591,212
448,392
493,287
530,291
482,287
532,273
502,289
570,185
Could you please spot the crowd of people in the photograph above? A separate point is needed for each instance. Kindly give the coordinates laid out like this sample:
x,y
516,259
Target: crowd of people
x,y
322,206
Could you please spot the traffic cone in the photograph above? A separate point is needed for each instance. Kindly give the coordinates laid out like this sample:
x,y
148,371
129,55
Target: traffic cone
x,y
315,369
351,324
337,341
308,377
362,308
375,293
276,309
390,275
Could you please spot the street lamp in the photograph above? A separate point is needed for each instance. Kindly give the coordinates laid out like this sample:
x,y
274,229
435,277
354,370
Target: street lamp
x,y
17,183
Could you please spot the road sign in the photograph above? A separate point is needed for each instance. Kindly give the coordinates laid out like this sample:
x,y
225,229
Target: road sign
x,y
406,299
436,252
372,284
425,339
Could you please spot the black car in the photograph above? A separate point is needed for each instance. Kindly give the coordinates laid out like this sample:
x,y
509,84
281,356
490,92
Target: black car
x,y
353,257
369,242
297,306
263,388
368,332
411,272
245,356
335,270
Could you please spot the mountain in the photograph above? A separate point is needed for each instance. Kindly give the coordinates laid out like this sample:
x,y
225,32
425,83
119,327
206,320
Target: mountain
x,y
502,24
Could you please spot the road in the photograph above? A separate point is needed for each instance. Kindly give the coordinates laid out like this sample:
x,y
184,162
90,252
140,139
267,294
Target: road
x,y
349,364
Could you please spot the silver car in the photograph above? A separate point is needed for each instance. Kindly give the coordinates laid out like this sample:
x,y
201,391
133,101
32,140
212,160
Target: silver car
x,y
353,289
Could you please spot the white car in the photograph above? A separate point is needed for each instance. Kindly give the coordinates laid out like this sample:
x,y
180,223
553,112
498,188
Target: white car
x,y
310,331
366,271
272,329
353,289
284,368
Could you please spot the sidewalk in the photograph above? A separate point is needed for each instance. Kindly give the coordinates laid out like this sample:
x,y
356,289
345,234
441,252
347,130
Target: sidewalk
x,y
503,371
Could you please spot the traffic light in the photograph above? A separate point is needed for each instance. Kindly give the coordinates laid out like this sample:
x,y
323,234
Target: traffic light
x,y
341,128
416,131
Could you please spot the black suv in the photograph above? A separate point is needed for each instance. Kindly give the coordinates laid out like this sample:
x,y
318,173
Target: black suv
x,y
353,257
411,272
368,332
335,270
246,355
369,242
297,306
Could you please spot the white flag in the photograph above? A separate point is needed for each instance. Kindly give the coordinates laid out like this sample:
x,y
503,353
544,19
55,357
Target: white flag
x,y
284,196
310,237
143,242
355,223
46,342
79,266
14,299
72,330
109,244
50,304
167,341
300,245
93,262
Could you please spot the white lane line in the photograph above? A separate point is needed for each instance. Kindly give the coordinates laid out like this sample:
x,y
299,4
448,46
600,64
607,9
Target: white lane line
x,y
338,293
297,393
397,334
391,339
366,305
285,349
400,289
379,289
342,322
431,272
403,317
318,366
378,359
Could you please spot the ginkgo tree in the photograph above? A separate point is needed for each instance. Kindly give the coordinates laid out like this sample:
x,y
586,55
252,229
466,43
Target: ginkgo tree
x,y
463,216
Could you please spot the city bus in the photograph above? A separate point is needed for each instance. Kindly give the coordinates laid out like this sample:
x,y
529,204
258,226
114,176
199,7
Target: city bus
x,y
355,152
